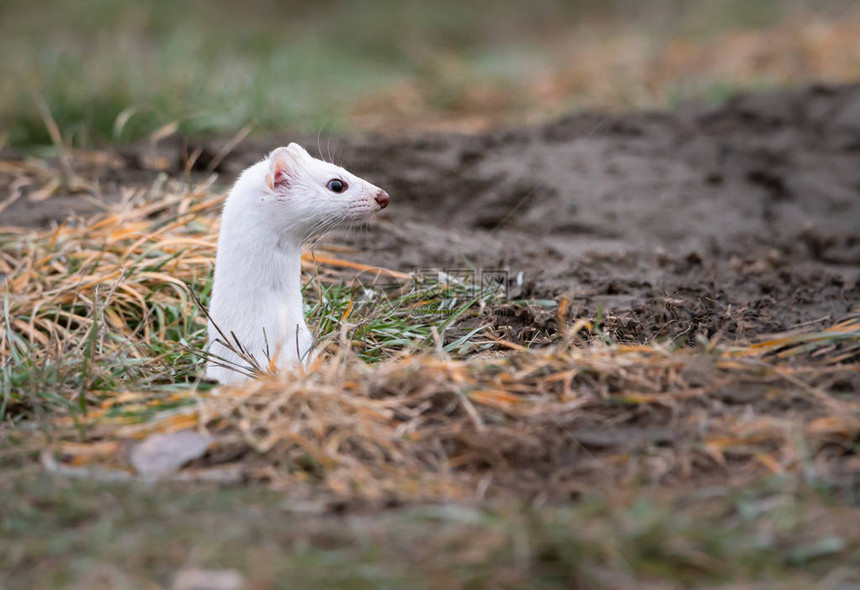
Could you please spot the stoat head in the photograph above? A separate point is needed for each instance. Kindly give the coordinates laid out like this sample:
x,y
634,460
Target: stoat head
x,y
306,197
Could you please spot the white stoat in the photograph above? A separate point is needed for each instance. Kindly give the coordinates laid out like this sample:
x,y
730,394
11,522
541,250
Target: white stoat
x,y
275,205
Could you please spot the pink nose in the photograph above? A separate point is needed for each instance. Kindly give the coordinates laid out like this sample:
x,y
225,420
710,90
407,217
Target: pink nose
x,y
382,198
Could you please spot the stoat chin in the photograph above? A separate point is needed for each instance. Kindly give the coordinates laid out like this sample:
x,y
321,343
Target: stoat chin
x,y
275,206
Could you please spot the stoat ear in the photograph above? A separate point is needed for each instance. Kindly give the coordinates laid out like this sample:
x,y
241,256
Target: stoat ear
x,y
282,167
298,151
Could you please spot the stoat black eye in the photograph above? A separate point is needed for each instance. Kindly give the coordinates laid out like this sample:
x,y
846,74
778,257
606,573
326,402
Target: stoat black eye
x,y
336,185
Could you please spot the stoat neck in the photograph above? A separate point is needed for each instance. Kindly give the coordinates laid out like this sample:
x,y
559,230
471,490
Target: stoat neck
x,y
256,262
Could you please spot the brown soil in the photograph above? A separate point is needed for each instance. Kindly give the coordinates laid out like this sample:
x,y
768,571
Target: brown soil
x,y
737,221
741,219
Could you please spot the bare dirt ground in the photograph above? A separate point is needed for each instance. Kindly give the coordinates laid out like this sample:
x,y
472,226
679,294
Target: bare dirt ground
x,y
736,221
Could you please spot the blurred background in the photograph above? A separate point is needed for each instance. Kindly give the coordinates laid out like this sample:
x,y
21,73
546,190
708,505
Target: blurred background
x,y
107,71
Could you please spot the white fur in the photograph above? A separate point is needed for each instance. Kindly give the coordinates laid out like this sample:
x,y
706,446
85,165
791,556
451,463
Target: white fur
x,y
274,207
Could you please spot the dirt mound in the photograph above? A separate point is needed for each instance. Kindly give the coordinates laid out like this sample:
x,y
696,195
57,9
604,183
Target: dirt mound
x,y
740,220
735,220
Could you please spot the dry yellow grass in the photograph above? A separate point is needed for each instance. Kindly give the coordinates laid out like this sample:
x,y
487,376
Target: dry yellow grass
x,y
423,427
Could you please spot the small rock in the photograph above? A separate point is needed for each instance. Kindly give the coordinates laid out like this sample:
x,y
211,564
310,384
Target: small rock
x,y
162,454
196,579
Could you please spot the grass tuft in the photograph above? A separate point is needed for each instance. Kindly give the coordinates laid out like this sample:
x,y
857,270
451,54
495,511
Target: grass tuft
x,y
118,302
